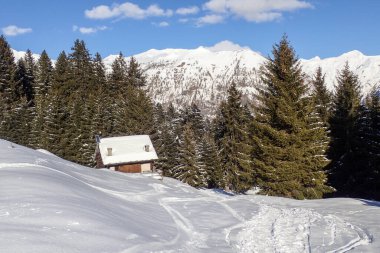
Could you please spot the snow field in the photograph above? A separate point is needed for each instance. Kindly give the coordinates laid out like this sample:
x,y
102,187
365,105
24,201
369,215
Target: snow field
x,y
48,204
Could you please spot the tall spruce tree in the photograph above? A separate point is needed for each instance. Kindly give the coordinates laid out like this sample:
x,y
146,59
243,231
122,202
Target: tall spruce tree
x,y
99,98
29,79
361,157
8,84
190,169
373,182
116,105
81,68
134,112
82,144
211,162
322,96
192,115
23,110
57,111
118,77
289,141
157,135
362,162
44,72
344,130
136,78
168,152
233,141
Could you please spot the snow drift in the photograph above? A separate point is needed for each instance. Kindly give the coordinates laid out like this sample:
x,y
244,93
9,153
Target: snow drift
x,y
48,204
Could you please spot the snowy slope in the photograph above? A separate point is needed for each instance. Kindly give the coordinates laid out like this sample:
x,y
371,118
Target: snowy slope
x,y
48,204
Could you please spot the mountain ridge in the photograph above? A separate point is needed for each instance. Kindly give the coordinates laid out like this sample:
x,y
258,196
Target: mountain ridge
x,y
202,75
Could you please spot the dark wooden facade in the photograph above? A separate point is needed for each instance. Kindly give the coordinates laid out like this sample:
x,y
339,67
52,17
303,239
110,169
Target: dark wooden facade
x,y
129,168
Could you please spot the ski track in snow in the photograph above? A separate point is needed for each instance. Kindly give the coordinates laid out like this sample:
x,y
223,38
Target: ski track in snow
x,y
271,229
194,239
276,230
362,238
289,230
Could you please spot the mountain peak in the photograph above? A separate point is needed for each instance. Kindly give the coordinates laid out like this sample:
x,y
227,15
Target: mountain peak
x,y
353,53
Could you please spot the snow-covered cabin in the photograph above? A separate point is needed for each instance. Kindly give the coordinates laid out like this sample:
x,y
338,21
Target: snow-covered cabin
x,y
131,154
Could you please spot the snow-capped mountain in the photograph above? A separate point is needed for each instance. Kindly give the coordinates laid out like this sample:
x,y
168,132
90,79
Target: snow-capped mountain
x,y
202,75
366,67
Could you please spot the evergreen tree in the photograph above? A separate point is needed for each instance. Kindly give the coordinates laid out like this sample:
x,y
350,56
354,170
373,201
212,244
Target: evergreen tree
x,y
232,138
44,69
135,74
359,160
174,119
373,190
189,169
322,97
193,116
29,78
135,109
20,112
139,112
81,103
100,99
157,135
118,77
211,162
8,85
57,111
81,68
363,161
288,139
344,130
116,103
168,151
23,109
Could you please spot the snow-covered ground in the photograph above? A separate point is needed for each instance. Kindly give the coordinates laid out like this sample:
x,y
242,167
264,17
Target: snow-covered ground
x,y
48,204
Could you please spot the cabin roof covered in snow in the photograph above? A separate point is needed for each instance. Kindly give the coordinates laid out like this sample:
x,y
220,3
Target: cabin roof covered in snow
x,y
127,149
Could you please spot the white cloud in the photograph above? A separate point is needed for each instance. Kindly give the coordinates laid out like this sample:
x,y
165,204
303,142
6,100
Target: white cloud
x,y
13,30
255,10
226,45
161,24
183,20
187,10
101,12
210,19
126,10
155,10
89,30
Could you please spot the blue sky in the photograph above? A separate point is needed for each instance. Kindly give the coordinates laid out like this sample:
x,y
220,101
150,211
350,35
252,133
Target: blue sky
x,y
315,27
